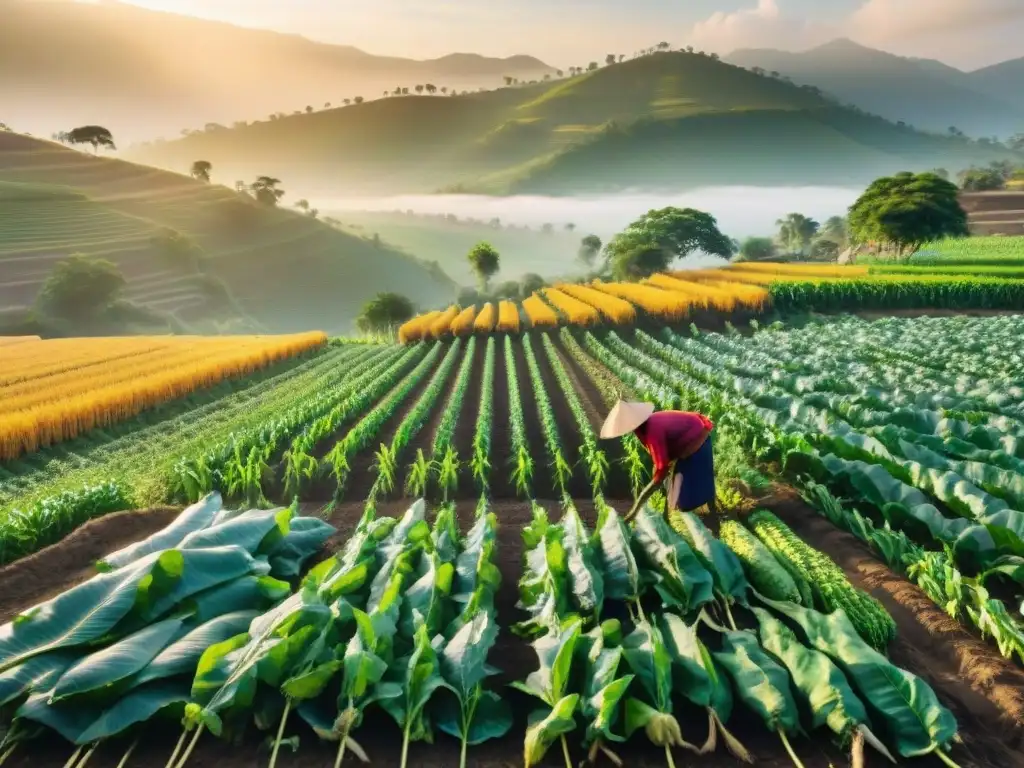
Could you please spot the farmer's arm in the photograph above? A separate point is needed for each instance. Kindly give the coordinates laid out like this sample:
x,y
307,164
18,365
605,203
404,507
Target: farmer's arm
x,y
655,444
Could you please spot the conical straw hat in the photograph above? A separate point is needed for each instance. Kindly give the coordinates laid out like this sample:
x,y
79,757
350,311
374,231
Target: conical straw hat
x,y
624,418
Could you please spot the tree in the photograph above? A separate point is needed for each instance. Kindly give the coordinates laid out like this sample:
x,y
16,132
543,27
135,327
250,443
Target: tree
x,y
559,72
431,89
419,89
384,313
590,247
508,80
80,288
265,190
657,238
485,263
796,232
309,109
303,205
592,66
201,170
981,179
358,99
757,249
824,250
905,211
835,229
444,90
547,228
96,135
530,284
663,46
327,105
570,227
610,59
507,290
346,102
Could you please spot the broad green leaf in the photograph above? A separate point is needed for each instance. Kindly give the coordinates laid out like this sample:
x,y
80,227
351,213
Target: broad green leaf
x,y
84,613
182,656
725,568
118,661
619,568
680,579
645,653
903,708
463,659
193,518
419,675
69,721
246,593
249,531
362,667
39,673
762,684
603,694
425,600
821,685
492,717
547,726
305,537
445,534
311,684
139,706
585,580
691,674
555,653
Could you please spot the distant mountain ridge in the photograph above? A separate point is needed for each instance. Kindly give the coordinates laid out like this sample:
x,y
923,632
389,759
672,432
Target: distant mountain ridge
x,y
666,121
924,93
145,73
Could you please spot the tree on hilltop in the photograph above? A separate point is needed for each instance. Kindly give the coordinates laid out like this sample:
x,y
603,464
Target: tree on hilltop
x,y
384,313
657,238
358,99
796,232
266,191
610,59
201,170
485,263
430,88
590,248
903,212
95,135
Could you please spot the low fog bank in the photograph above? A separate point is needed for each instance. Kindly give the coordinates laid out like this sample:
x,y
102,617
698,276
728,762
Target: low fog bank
x,y
741,211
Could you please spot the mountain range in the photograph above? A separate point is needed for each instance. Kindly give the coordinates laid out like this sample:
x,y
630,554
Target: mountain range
x,y
144,73
924,93
666,121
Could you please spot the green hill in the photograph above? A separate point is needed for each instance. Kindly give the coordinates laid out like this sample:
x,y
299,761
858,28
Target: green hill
x,y
273,268
527,137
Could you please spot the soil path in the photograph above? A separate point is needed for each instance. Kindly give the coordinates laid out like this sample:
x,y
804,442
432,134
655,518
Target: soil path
x,y
983,690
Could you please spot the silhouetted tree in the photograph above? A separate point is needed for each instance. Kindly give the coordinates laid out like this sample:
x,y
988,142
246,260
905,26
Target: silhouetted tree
x,y
592,66
265,190
796,232
622,57
444,90
610,59
96,135
346,102
590,247
327,105
309,109
569,227
419,89
756,249
663,46
508,80
201,170
358,99
485,263
559,72
430,88
302,204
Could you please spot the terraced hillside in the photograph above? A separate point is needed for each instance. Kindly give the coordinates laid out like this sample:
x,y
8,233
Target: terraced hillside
x,y
276,268
995,213
636,122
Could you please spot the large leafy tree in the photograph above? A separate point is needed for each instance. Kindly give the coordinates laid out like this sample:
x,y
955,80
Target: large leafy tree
x,y
79,288
385,312
590,247
796,232
657,238
903,212
95,135
485,263
266,191
757,249
201,169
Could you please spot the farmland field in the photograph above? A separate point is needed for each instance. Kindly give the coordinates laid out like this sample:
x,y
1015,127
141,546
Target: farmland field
x,y
887,457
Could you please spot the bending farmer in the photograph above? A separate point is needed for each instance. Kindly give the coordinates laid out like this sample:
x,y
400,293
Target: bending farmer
x,y
680,445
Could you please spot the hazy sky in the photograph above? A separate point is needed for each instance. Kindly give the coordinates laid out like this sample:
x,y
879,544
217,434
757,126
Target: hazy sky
x,y
965,33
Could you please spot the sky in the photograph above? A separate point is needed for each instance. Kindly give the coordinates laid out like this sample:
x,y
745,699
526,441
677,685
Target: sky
x,y
965,33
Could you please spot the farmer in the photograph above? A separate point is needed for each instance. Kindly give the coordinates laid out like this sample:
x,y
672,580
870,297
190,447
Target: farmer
x,y
680,445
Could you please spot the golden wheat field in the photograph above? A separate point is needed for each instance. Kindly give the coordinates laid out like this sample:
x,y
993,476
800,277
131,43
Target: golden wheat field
x,y
56,389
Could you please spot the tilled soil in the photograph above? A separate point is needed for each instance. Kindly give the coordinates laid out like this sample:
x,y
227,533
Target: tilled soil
x,y
987,715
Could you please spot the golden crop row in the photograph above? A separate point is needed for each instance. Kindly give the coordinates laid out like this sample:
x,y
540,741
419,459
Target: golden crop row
x,y
612,307
418,327
135,389
6,341
712,294
508,317
799,270
539,313
575,311
36,359
484,322
462,325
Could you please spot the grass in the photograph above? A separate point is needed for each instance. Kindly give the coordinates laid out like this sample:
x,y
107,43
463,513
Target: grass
x,y
590,129
996,250
286,271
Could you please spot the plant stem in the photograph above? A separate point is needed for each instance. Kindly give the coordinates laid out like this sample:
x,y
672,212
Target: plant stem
x,y
462,755
128,754
789,749
87,755
668,757
74,758
565,752
280,732
341,751
939,753
191,746
728,614
405,743
8,753
177,748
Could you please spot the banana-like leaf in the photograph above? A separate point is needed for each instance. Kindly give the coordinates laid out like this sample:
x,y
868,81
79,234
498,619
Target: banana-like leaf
x,y
69,721
585,579
246,593
257,532
182,656
425,600
474,565
619,568
762,684
546,726
445,534
139,706
692,676
118,661
193,518
491,719
419,675
904,709
544,589
555,653
39,673
305,537
723,564
645,653
678,576
603,693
